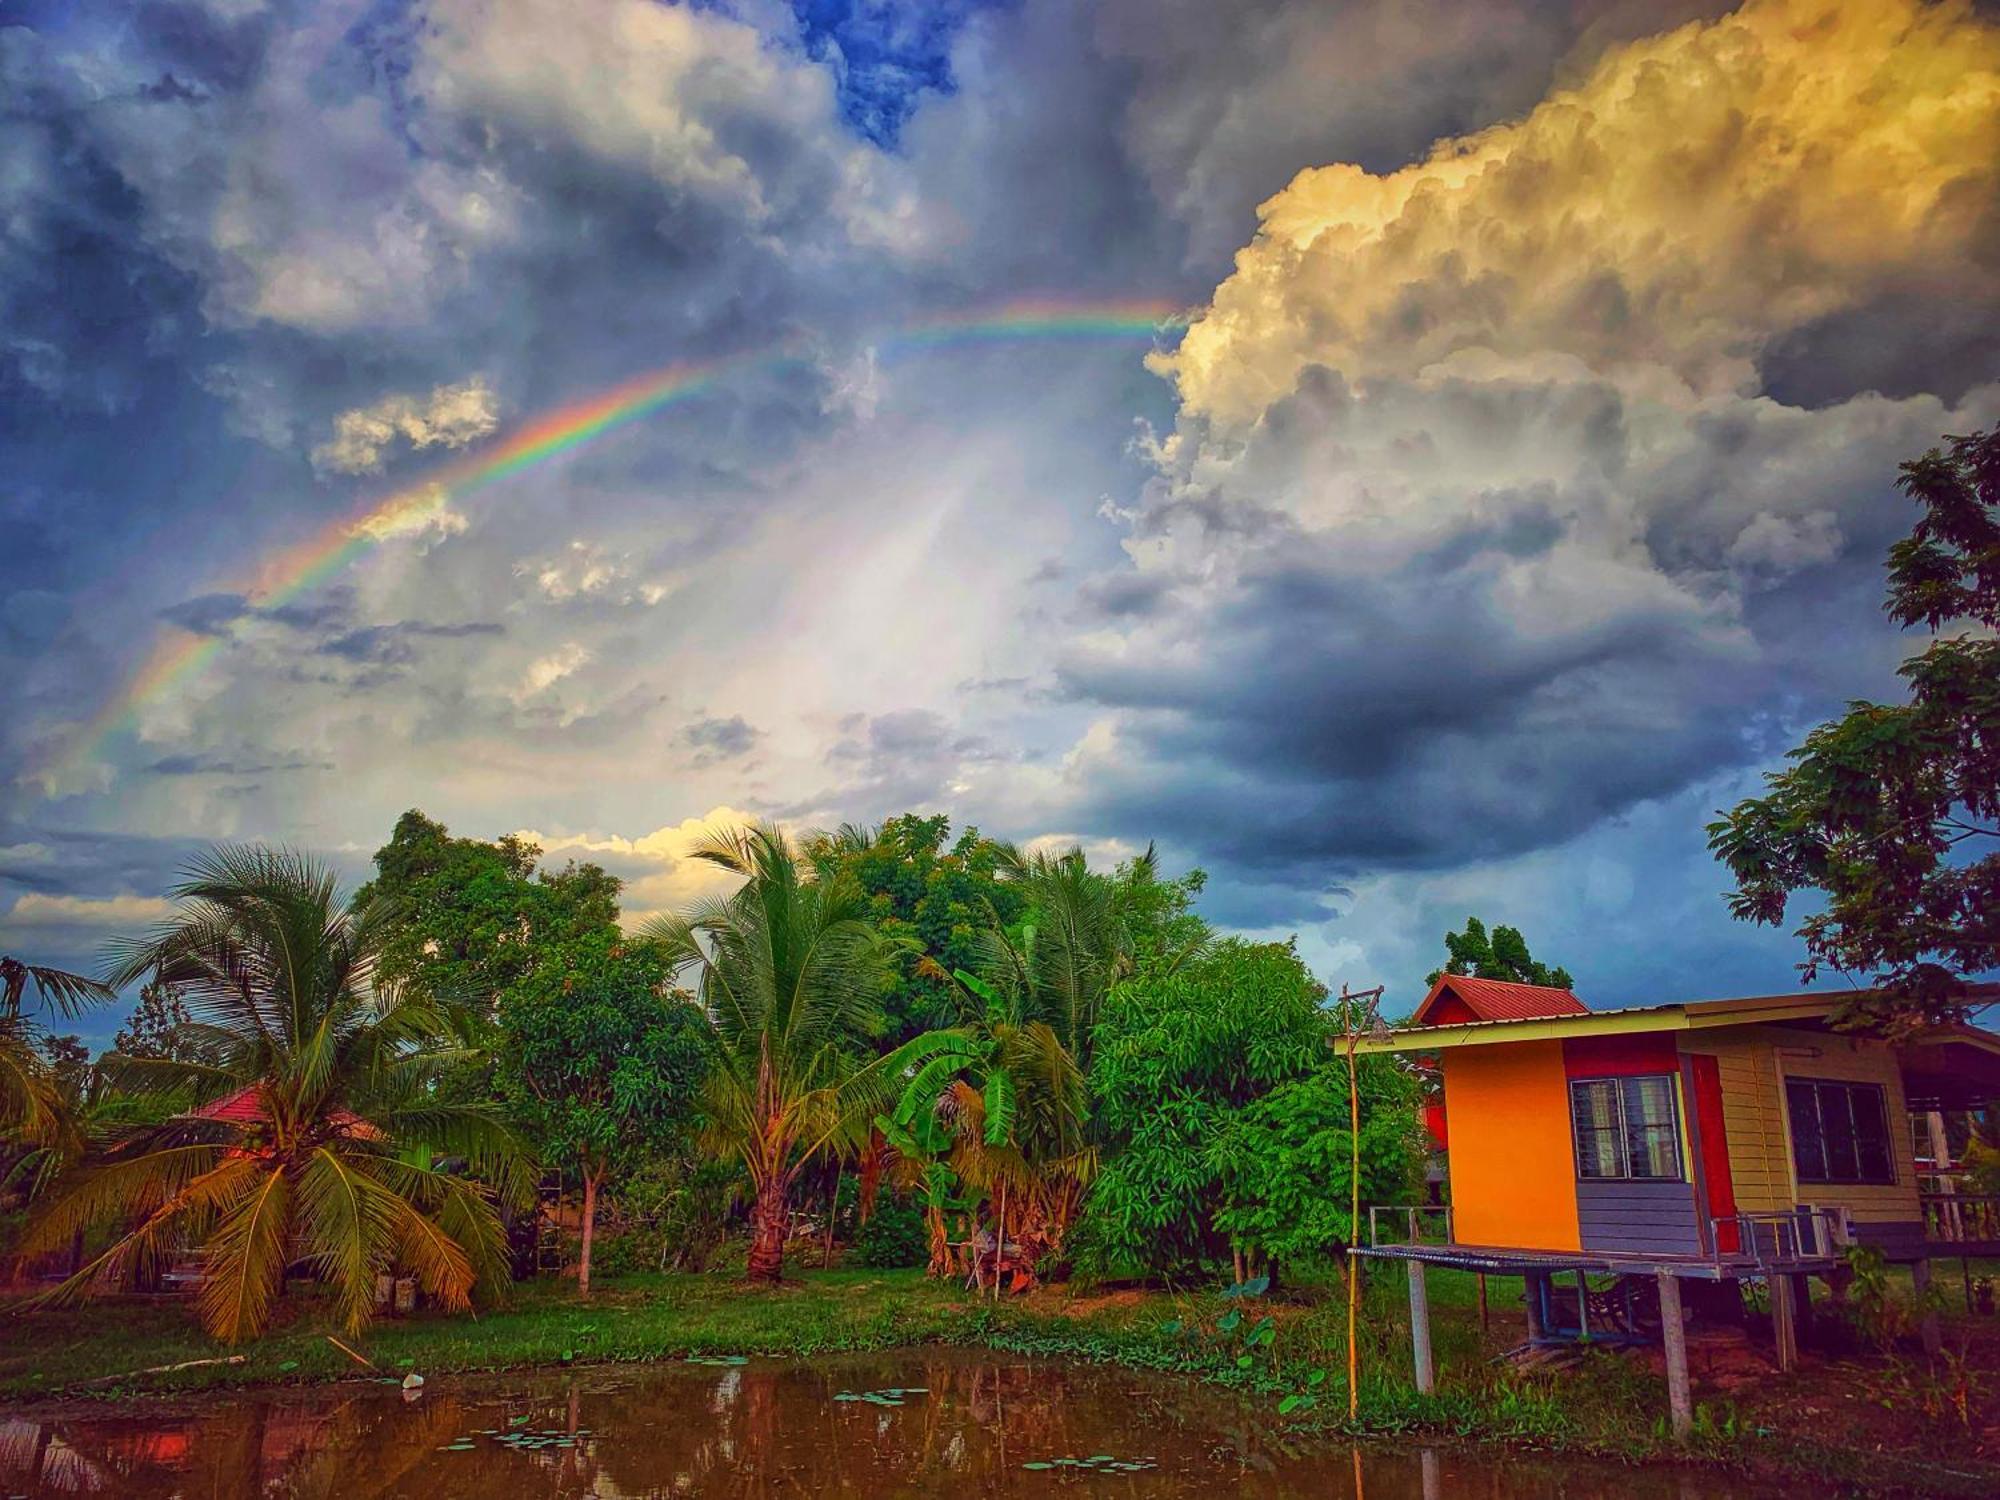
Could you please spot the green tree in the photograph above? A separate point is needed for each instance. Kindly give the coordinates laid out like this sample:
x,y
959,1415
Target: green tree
x,y
601,1060
1504,955
32,1111
939,897
463,919
1890,813
159,1026
1082,931
790,975
328,1154
1224,1119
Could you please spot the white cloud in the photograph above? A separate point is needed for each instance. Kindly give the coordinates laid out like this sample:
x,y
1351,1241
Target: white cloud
x,y
658,873
450,417
546,671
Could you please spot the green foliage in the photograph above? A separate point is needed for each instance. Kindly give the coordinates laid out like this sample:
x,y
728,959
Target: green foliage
x,y
791,975
159,1026
1224,1120
939,900
1504,955
464,919
1283,1162
894,1236
599,1057
334,1160
1891,813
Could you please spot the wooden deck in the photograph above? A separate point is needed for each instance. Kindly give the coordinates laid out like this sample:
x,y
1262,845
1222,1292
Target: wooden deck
x,y
1501,1261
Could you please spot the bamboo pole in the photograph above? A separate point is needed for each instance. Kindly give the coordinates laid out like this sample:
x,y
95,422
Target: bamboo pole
x,y
1352,1034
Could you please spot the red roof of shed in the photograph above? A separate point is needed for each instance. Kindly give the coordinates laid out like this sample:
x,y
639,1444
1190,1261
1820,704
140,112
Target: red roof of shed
x,y
1460,997
245,1107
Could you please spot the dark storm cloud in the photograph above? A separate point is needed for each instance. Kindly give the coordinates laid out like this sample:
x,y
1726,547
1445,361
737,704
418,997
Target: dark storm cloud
x,y
397,644
215,765
716,740
1229,101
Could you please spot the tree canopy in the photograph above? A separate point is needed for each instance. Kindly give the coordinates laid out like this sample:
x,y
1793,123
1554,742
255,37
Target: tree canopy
x,y
1224,1124
600,1059
1504,955
1890,813
462,919
939,897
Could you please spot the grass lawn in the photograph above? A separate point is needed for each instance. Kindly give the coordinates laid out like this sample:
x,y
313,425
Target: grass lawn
x,y
1895,1424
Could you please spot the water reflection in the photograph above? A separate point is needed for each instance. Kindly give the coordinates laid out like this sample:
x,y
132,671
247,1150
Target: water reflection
x,y
979,1425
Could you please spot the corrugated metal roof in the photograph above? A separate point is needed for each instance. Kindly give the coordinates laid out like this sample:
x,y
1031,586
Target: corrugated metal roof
x,y
1500,1000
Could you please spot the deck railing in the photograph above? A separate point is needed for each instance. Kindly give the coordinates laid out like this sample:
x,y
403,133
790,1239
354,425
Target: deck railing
x,y
1782,1235
1409,1224
1960,1218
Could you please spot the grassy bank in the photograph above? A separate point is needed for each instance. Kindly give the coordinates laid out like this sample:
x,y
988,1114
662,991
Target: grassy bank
x,y
1609,1405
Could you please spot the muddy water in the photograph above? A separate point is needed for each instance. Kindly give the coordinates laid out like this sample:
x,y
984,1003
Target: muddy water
x,y
926,1423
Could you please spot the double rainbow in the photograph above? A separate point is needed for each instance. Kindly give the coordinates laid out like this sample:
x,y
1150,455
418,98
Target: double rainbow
x,y
283,576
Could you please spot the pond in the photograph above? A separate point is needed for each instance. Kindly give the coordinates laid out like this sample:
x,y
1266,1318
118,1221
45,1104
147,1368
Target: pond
x,y
915,1423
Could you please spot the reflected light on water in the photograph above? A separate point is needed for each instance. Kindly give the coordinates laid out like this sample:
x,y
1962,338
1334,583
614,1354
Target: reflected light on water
x,y
918,1423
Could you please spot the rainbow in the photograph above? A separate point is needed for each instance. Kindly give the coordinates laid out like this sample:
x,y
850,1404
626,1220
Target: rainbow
x,y
180,655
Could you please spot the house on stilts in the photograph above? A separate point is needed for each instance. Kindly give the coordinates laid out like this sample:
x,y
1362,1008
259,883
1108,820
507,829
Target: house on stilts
x,y
1610,1157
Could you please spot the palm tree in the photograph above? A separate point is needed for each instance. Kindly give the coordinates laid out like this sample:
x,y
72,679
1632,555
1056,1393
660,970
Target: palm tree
x,y
318,1140
32,1109
789,973
1084,931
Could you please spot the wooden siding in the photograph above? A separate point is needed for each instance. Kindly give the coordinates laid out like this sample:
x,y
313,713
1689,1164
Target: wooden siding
x,y
1752,1116
1513,1172
1753,1063
1639,1217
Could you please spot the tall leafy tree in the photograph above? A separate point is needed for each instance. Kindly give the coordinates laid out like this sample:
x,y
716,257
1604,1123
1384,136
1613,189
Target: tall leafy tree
x,y
1225,1124
790,974
1890,814
462,919
601,1060
32,1110
321,1139
1503,955
159,1026
928,889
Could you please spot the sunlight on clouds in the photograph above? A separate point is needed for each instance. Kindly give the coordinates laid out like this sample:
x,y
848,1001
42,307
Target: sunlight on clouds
x,y
423,512
1699,191
546,671
658,873
450,417
38,909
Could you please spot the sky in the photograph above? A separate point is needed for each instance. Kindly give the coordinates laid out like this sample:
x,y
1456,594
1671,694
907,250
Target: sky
x,y
1407,458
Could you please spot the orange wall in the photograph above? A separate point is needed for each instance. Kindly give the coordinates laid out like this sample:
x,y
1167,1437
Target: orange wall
x,y
1513,1175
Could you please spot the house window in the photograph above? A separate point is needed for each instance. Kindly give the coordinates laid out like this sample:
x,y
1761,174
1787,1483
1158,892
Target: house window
x,y
1840,1131
1626,1128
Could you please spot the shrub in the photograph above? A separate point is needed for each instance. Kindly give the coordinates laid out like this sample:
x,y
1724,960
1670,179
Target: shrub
x,y
893,1237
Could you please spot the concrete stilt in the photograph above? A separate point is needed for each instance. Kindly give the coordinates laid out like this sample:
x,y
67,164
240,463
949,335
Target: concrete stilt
x,y
1784,1321
1420,1329
1531,1293
1673,1338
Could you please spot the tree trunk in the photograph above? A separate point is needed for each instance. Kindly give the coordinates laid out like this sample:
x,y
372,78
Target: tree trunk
x,y
768,1217
871,1175
832,1208
590,1181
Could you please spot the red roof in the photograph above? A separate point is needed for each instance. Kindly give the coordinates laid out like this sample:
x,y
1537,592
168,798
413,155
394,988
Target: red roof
x,y
1460,998
246,1107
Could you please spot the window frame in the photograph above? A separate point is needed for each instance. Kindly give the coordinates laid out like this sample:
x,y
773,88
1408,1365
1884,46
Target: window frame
x,y
1849,1087
1622,1118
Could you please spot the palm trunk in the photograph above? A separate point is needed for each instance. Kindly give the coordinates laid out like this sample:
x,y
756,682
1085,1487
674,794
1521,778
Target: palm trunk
x,y
590,1180
768,1217
871,1175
